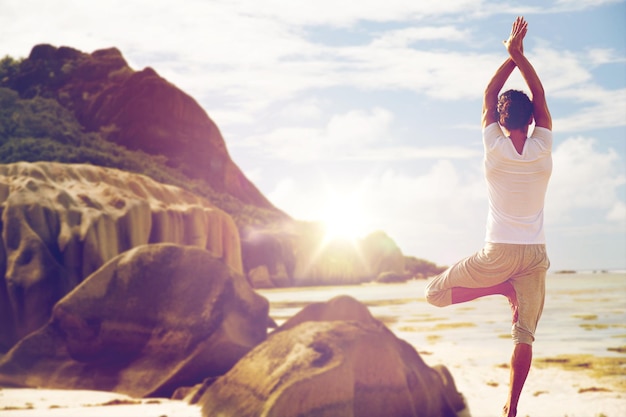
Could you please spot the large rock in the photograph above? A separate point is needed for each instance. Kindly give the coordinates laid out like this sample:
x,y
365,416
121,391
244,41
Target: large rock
x,y
137,109
62,222
333,368
148,321
341,307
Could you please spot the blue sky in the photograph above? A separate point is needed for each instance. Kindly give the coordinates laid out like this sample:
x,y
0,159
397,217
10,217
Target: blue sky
x,y
365,114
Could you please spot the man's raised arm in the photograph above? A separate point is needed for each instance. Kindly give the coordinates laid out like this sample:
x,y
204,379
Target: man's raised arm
x,y
490,99
516,51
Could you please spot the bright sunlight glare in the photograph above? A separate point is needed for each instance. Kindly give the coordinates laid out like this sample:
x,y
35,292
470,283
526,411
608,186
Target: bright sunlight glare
x,y
344,218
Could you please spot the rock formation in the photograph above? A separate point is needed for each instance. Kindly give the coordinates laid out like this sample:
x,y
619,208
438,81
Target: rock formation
x,y
333,367
342,307
137,109
152,319
62,222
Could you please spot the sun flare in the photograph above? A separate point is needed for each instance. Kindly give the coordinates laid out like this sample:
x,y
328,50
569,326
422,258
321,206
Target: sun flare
x,y
344,218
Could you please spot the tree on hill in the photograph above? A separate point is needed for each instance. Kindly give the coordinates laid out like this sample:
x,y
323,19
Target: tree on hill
x,y
8,68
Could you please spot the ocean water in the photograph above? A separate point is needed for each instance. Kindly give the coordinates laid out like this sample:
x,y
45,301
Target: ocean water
x,y
584,313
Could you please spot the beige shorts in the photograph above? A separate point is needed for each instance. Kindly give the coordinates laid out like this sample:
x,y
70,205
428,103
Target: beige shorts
x,y
525,266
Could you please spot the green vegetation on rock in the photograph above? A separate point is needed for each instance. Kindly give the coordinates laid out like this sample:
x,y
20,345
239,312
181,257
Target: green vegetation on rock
x,y
40,129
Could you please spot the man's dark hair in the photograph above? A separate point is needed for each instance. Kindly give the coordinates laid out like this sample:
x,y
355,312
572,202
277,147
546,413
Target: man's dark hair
x,y
514,109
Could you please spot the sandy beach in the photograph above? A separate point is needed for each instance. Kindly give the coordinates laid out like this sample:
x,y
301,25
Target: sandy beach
x,y
580,352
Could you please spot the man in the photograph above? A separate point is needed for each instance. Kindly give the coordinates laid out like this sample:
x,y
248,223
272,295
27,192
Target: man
x,y
513,261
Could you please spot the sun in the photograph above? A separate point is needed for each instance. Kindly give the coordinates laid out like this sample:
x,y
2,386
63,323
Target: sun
x,y
344,217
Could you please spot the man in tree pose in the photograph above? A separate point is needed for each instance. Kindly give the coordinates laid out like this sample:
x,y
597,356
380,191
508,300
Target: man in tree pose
x,y
513,261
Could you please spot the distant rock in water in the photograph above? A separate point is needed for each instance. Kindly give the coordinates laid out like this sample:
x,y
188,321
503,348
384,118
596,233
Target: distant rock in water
x,y
150,320
137,109
392,277
332,367
61,222
299,255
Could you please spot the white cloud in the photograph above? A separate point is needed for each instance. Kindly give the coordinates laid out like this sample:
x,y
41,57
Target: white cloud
x,y
342,13
436,73
284,196
230,117
249,54
607,109
584,178
357,128
583,4
406,37
407,153
305,110
602,56
286,143
343,136
356,135
559,69
617,213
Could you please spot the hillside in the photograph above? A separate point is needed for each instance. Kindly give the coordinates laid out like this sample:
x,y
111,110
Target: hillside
x,y
63,105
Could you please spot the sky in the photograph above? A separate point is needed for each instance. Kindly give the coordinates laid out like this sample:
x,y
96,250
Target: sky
x,y
366,114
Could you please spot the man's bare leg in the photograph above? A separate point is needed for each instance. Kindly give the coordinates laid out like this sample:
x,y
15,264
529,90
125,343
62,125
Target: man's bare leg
x,y
520,365
522,353
462,294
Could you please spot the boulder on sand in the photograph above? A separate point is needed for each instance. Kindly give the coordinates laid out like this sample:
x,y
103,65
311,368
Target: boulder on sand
x,y
355,368
150,320
341,307
61,222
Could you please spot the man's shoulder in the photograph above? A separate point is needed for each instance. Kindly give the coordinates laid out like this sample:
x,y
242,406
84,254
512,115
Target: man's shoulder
x,y
542,135
539,131
492,130
491,134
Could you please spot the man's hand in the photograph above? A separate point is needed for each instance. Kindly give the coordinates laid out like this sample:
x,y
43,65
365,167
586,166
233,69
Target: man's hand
x,y
515,43
515,46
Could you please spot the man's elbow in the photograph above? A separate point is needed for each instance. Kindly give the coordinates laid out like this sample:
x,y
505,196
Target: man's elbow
x,y
543,119
538,93
491,93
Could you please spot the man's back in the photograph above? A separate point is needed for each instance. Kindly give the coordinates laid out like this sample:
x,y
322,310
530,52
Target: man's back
x,y
516,185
